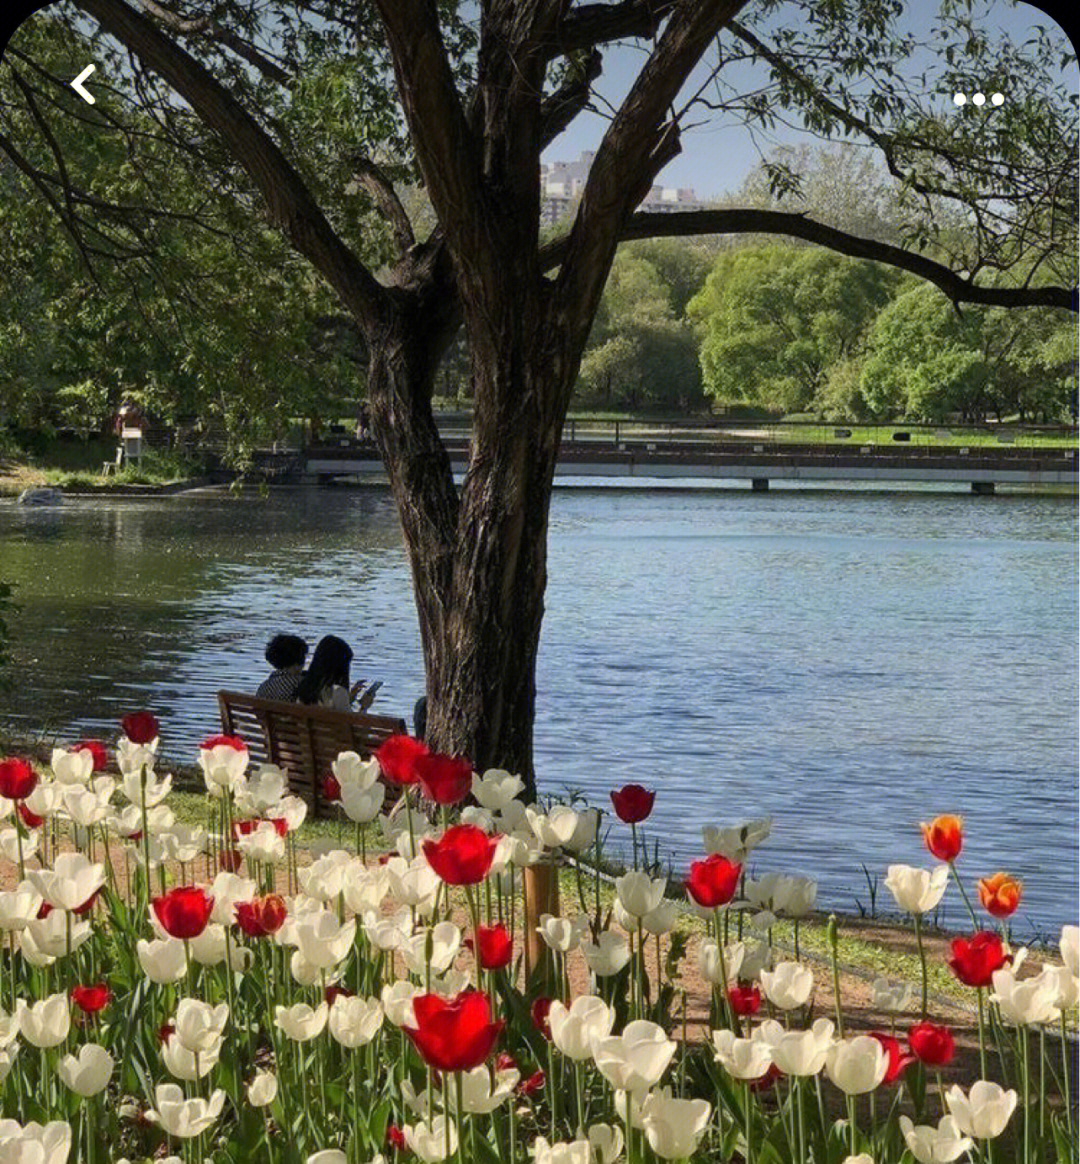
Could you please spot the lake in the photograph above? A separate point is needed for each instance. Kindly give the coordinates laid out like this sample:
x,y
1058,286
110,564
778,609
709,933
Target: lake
x,y
848,662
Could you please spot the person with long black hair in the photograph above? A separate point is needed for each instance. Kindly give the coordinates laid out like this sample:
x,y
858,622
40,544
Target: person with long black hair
x,y
326,681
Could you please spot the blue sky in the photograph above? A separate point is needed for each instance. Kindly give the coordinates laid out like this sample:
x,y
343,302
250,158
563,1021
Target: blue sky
x,y
717,157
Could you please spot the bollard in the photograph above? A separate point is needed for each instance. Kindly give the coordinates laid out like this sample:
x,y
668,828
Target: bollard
x,y
540,886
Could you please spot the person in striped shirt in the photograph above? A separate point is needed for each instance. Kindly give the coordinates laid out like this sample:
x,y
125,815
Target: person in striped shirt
x,y
286,654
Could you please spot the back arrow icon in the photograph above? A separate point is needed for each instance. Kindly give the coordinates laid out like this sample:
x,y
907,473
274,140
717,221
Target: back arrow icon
x,y
77,84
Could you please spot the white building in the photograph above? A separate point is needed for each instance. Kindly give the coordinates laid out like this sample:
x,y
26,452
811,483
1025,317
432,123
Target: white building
x,y
562,184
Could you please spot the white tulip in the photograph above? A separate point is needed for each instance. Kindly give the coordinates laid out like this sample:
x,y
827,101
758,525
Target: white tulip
x,y
430,1139
496,789
46,1023
674,1127
478,1095
1023,1003
351,771
33,1143
328,1156
72,768
208,949
412,883
10,847
323,878
263,1089
71,882
984,1111
198,1025
856,1065
134,787
301,1022
387,933
364,889
562,934
89,1073
555,828
223,768
182,1118
741,1058
608,955
573,1152
661,920
585,834
793,897
895,997
261,791
738,842
634,1060
7,1061
639,894
437,947
930,1145
355,1021
324,940
797,1052
362,805
19,906
708,960
1070,948
9,1024
575,1029
397,1002
228,891
917,890
788,986
607,1142
186,1064
58,933
262,844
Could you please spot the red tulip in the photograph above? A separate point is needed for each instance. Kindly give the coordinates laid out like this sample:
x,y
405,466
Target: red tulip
x,y
332,993
944,836
533,1084
764,1082
184,912
30,819
395,1138
899,1061
166,1032
538,1012
1000,894
91,999
140,727
975,960
262,915
330,788
96,749
496,947
713,882
44,909
462,855
17,778
397,758
234,742
505,1062
454,1034
744,999
444,779
932,1044
632,803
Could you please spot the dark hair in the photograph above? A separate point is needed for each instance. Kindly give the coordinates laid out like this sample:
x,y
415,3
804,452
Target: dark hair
x,y
329,667
286,651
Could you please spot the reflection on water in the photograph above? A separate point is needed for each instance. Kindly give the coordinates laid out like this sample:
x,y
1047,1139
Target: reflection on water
x,y
850,664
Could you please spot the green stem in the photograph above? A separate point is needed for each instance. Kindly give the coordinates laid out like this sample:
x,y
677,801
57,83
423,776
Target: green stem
x,y
922,962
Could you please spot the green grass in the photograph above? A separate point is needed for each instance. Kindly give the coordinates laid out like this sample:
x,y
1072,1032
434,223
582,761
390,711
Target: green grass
x,y
77,464
883,435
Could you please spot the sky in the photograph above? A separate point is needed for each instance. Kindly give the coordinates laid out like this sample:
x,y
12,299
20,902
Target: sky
x,y
716,158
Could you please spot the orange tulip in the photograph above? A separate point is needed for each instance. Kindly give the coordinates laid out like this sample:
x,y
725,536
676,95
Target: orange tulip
x,y
944,836
1000,894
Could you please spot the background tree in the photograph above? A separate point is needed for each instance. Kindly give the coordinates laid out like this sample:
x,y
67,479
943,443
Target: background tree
x,y
287,111
774,319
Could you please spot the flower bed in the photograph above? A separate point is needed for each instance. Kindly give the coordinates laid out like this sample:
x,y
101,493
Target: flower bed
x,y
170,990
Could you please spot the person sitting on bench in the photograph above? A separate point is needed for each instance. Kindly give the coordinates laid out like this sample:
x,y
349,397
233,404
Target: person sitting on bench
x,y
286,654
326,681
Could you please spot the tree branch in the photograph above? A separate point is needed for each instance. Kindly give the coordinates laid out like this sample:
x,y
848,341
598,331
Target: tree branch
x,y
646,224
290,204
375,182
571,97
594,24
637,145
446,148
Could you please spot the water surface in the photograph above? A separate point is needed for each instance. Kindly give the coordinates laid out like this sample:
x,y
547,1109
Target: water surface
x,y
848,662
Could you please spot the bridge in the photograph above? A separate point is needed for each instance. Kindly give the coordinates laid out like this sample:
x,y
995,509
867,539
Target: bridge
x,y
690,454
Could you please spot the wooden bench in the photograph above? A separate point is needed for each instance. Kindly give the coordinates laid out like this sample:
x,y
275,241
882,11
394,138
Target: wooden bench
x,y
302,740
